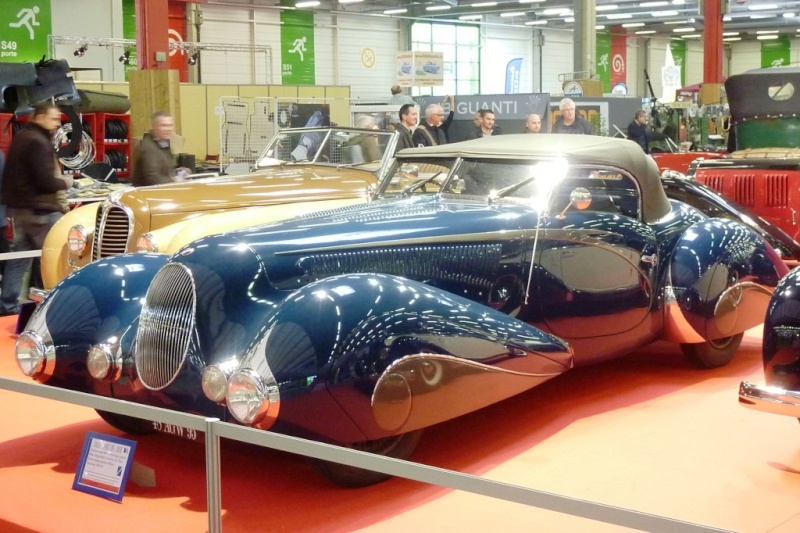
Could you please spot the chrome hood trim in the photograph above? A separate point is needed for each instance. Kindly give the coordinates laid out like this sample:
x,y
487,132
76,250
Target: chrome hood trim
x,y
769,399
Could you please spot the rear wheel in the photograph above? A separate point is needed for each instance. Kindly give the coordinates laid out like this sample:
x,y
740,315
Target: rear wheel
x,y
398,447
128,424
714,353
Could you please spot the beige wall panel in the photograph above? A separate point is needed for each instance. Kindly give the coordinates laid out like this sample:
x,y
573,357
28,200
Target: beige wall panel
x,y
311,91
253,91
194,117
213,94
283,91
151,91
121,87
340,104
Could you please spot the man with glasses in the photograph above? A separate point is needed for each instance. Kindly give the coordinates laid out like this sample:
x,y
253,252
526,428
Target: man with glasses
x,y
571,122
430,131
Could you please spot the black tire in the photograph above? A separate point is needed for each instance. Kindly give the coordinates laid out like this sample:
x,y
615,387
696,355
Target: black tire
x,y
399,447
128,424
713,354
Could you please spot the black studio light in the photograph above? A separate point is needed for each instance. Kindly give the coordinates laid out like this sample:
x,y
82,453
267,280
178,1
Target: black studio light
x,y
125,58
192,60
80,51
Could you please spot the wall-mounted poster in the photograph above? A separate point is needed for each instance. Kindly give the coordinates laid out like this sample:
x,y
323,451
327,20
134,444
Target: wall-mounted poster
x,y
421,69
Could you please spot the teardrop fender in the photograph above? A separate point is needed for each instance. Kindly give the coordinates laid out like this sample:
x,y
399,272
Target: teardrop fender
x,y
781,338
720,279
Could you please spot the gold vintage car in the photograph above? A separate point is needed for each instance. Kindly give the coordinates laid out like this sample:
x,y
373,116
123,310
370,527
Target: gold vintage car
x,y
301,170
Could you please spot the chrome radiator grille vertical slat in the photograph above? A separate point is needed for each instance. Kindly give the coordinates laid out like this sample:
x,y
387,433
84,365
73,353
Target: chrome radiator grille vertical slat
x,y
165,327
112,231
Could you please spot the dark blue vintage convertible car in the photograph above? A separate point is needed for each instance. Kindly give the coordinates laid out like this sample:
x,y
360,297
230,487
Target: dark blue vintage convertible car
x,y
484,269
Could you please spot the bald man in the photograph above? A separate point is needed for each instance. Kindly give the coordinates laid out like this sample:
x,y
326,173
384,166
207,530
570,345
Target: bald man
x,y
533,124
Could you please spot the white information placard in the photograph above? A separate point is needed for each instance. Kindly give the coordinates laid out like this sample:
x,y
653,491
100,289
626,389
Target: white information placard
x,y
104,465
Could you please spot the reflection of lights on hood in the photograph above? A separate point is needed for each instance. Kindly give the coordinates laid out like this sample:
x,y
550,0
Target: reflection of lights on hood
x,y
549,174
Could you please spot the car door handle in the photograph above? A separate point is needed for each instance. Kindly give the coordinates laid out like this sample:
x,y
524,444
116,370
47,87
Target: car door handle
x,y
650,259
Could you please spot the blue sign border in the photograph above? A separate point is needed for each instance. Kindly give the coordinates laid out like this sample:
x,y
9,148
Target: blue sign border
x,y
83,487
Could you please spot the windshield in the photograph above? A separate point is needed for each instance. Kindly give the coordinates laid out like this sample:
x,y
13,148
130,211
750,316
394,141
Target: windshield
x,y
328,146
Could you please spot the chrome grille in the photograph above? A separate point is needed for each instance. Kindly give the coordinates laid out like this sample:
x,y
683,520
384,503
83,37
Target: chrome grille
x,y
113,230
165,326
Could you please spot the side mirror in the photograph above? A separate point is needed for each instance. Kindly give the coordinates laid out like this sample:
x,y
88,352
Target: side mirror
x,y
580,198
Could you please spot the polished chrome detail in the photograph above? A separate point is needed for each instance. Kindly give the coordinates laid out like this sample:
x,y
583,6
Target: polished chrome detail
x,y
147,244
248,397
215,379
769,399
31,353
77,237
37,295
38,334
651,259
676,327
104,362
165,326
113,230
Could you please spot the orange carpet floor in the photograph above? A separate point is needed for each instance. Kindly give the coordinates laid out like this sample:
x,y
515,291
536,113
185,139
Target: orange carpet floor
x,y
646,432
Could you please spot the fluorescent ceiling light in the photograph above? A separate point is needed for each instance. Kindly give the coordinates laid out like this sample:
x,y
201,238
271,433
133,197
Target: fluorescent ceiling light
x,y
675,22
617,16
645,32
569,20
484,4
395,11
692,36
665,13
730,39
536,23
762,7
653,4
788,15
350,1
607,7
633,25
754,17
602,27
531,1
683,30
557,11
512,14
766,37
437,8
308,3
726,18
729,33
470,17
678,2
766,32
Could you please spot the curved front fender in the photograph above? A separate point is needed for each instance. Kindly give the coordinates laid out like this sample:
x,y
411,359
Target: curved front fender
x,y
721,276
56,260
781,339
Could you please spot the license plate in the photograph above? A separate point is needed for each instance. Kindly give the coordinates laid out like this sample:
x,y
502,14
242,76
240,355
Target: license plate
x,y
172,429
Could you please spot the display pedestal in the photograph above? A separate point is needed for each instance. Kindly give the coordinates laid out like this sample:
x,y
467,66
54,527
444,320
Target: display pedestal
x,y
142,475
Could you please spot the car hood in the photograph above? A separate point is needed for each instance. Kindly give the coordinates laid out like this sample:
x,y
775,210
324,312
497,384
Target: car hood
x,y
424,238
268,186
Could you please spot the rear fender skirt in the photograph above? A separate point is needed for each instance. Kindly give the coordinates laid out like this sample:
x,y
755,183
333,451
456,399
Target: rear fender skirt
x,y
720,279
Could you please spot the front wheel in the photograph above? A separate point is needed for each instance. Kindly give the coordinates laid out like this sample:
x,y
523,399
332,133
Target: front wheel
x,y
128,424
398,447
714,353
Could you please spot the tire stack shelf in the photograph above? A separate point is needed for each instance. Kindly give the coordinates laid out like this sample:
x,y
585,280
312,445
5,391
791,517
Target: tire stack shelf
x,y
113,142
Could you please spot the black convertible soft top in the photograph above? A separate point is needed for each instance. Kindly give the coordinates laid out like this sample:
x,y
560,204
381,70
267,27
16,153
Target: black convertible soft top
x,y
763,93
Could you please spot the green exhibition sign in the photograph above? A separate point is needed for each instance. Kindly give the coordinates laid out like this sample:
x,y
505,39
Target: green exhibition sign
x,y
24,27
776,53
129,32
603,67
678,49
297,48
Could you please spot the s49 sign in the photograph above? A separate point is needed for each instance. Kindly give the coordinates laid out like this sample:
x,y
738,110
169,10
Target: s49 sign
x,y
24,25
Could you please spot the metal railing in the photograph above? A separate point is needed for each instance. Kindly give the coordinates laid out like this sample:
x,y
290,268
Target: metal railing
x,y
214,429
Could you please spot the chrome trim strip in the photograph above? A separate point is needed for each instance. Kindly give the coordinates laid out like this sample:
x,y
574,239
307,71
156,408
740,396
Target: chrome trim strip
x,y
769,399
37,295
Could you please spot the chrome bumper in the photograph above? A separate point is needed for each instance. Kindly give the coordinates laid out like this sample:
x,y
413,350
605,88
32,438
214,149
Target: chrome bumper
x,y
769,399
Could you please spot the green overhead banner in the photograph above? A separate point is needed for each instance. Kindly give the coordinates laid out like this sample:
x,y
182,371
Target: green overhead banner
x,y
129,32
603,67
776,53
24,27
678,49
297,48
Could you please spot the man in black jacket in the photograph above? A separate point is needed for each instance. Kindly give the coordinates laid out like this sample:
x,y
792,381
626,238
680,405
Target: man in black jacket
x,y
637,130
408,119
429,131
31,183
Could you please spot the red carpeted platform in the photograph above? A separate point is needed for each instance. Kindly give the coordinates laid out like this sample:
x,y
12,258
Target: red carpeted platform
x,y
646,432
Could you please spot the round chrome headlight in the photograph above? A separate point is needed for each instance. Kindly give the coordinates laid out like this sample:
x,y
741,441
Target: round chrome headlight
x,y
77,239
31,353
104,362
215,383
247,397
146,244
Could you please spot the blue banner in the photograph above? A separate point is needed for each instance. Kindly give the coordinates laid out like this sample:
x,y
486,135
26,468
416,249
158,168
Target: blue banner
x,y
512,75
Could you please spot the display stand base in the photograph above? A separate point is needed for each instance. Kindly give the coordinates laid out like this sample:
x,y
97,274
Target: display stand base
x,y
142,475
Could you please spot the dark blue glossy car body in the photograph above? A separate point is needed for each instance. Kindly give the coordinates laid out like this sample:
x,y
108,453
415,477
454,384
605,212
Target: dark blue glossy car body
x,y
486,268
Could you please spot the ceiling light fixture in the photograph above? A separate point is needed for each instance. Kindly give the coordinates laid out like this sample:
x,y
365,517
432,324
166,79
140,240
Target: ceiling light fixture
x,y
683,30
788,15
512,14
729,33
484,4
667,13
192,59
470,17
766,32
557,11
607,7
645,32
654,4
395,11
307,3
767,37
80,51
618,16
536,23
437,8
350,1
531,1
731,39
600,27
125,58
762,7
755,17
633,25
692,36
